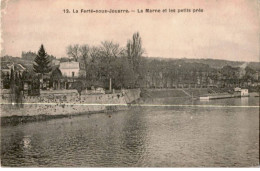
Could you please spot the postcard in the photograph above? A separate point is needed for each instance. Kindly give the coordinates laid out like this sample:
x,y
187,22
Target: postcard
x,y
127,83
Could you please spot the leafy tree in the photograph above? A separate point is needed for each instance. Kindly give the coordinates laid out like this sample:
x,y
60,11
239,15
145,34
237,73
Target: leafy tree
x,y
42,62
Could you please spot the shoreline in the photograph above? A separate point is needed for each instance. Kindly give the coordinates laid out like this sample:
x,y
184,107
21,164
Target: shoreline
x,y
17,120
51,106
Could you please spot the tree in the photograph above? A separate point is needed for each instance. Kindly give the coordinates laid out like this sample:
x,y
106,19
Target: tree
x,y
12,80
79,86
85,55
109,52
109,63
73,51
6,80
134,52
29,56
14,85
42,63
55,78
125,75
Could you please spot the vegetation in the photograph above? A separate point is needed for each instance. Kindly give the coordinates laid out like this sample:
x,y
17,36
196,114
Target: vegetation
x,y
134,54
110,62
30,56
79,86
126,67
42,62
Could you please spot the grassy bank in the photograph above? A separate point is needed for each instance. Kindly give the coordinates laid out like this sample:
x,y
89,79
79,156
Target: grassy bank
x,y
164,93
186,92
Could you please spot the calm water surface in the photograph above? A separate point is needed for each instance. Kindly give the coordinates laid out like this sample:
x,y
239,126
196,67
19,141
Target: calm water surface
x,y
143,136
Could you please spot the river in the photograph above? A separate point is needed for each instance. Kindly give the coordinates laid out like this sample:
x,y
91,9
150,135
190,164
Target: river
x,y
217,133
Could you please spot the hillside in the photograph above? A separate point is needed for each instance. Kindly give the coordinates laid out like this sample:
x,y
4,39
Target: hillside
x,y
213,63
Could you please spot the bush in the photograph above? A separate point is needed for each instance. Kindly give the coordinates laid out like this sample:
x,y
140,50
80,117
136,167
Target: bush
x,y
79,86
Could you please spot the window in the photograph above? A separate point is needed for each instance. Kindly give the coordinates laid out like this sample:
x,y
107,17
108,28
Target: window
x,y
73,74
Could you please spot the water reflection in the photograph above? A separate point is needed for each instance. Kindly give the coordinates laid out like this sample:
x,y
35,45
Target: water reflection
x,y
26,141
134,136
244,101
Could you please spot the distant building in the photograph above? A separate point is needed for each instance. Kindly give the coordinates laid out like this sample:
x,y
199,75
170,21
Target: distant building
x,y
55,62
7,66
70,69
244,92
237,89
19,68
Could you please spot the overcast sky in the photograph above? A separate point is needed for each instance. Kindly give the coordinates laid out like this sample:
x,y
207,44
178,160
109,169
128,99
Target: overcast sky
x,y
225,30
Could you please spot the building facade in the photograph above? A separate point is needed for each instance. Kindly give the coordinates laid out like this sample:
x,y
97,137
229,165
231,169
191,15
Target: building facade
x,y
70,69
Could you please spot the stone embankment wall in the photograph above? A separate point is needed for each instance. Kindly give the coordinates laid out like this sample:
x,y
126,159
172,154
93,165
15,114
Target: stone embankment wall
x,y
66,103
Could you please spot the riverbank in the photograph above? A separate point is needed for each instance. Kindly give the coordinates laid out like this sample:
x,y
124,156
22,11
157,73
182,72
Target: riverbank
x,y
15,120
56,105
180,93
186,93
61,105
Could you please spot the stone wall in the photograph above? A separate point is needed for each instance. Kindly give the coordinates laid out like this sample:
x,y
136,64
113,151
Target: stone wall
x,y
67,104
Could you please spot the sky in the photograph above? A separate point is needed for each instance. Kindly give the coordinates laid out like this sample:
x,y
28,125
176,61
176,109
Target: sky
x,y
224,30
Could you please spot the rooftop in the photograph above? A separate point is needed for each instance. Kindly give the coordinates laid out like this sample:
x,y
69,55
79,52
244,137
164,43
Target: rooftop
x,y
69,65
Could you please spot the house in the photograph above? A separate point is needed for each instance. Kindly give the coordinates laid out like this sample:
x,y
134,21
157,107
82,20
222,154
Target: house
x,y
7,66
19,68
70,69
244,92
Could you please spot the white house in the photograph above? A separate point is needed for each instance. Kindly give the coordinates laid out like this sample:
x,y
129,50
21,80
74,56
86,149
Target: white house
x,y
244,92
70,69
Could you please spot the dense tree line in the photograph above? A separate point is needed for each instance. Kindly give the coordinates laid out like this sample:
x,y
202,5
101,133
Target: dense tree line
x,y
110,62
125,67
166,73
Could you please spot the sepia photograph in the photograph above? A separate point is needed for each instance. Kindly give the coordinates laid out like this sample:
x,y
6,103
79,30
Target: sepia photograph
x,y
130,83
